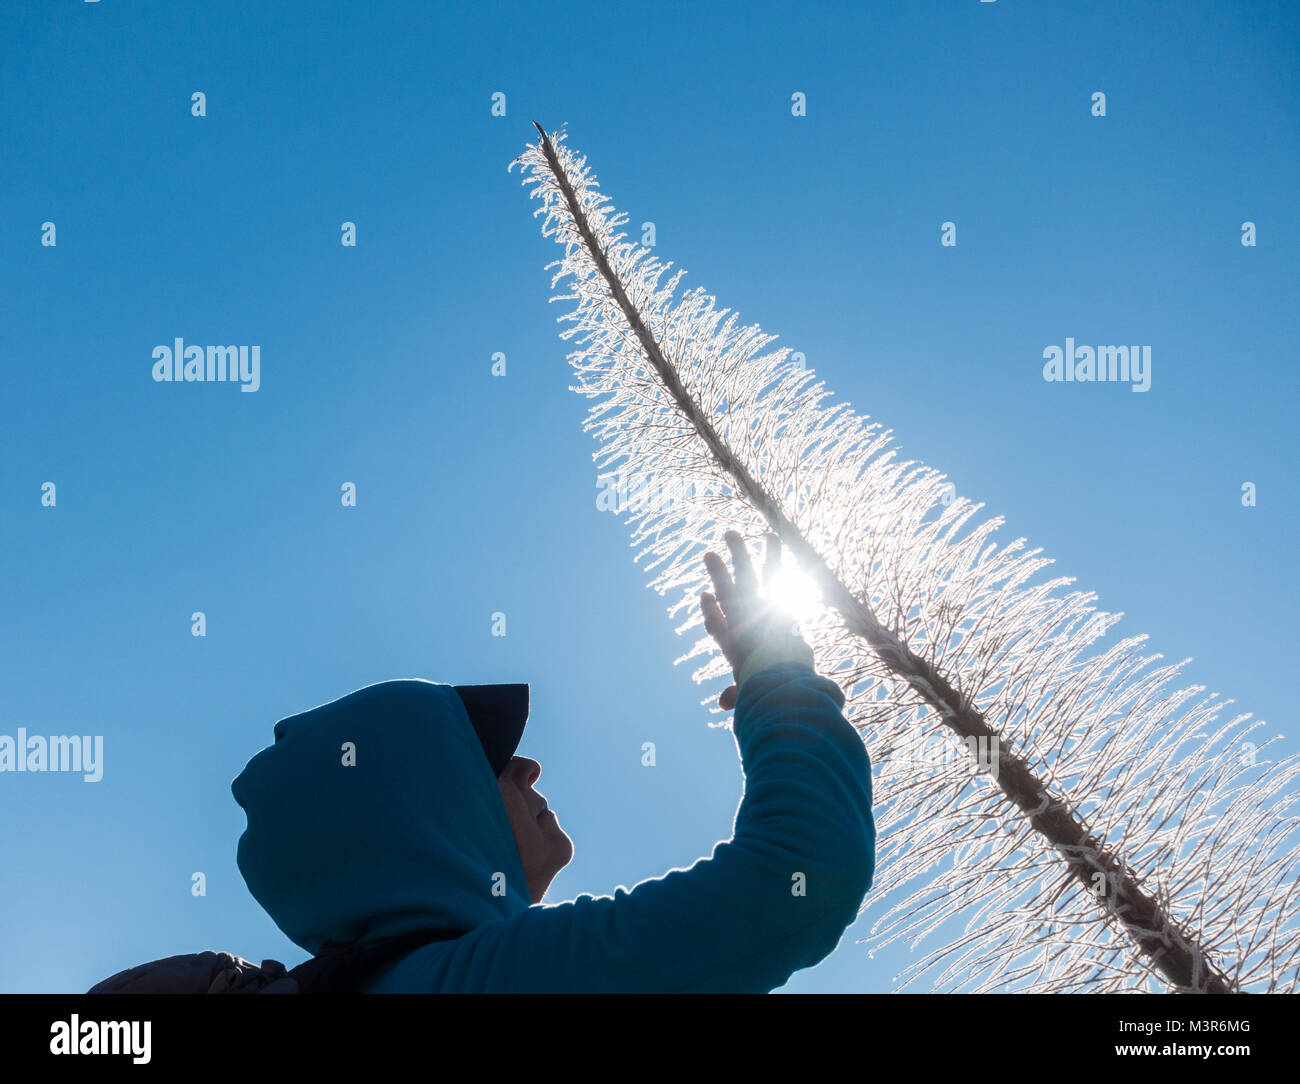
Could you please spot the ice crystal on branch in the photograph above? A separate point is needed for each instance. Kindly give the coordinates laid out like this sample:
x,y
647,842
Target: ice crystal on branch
x,y
1052,813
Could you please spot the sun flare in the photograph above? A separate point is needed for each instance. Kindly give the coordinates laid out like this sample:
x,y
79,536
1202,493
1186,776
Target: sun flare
x,y
793,591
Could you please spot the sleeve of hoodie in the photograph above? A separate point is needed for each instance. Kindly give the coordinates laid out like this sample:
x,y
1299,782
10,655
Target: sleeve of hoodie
x,y
774,898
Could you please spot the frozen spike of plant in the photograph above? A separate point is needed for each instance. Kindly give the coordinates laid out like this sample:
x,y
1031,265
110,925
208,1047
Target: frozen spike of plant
x,y
1052,815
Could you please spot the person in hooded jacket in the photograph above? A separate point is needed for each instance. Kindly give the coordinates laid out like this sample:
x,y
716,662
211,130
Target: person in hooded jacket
x,y
424,832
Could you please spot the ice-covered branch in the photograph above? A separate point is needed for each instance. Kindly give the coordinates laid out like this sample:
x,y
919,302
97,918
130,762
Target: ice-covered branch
x,y
1095,830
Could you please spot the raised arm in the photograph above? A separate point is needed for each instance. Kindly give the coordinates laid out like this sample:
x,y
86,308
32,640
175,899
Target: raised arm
x,y
774,898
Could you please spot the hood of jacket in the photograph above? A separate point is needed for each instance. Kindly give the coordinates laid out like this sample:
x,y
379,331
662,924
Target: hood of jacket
x,y
378,814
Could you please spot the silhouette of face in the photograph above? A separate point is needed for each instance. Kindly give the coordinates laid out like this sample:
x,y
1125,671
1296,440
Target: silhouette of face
x,y
544,849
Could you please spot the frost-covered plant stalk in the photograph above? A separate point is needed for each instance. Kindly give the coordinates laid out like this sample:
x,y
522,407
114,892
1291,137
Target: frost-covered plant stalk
x,y
1095,830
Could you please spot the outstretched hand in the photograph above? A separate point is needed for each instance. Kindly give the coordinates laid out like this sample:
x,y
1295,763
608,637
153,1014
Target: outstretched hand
x,y
735,615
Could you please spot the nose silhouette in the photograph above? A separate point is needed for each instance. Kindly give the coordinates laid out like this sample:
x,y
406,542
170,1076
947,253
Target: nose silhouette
x,y
523,771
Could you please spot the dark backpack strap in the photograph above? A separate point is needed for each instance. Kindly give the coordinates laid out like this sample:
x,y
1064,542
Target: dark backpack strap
x,y
345,969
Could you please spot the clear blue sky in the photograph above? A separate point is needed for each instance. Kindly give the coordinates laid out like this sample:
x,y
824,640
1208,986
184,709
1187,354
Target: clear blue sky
x,y
477,494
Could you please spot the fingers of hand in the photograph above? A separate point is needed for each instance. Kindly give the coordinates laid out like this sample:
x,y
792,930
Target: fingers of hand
x,y
740,562
772,561
715,623
719,627
723,588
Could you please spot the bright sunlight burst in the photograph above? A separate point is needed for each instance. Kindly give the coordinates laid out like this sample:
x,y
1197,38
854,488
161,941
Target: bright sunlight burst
x,y
793,591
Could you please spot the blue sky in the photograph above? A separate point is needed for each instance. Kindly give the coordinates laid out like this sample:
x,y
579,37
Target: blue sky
x,y
477,493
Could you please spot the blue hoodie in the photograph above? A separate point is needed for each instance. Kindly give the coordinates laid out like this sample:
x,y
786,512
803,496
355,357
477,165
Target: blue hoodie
x,y
414,835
